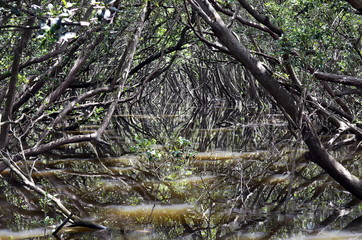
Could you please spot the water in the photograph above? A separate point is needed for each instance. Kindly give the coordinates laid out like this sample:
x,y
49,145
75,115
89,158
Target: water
x,y
240,184
203,200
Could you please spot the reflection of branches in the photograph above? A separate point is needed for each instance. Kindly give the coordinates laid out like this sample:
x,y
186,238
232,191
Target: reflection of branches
x,y
30,183
334,216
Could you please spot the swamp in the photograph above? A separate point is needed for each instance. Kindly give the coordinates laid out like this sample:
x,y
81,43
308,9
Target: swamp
x,y
193,119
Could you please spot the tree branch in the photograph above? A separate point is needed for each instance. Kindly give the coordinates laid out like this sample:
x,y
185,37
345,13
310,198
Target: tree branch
x,y
244,21
56,143
124,66
342,79
261,18
181,42
71,75
8,111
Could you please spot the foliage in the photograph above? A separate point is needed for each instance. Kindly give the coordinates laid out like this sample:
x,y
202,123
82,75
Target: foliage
x,y
315,30
182,148
146,146
88,77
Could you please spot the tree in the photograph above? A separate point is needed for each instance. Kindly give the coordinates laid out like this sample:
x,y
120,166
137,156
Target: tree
x,y
295,100
75,61
67,64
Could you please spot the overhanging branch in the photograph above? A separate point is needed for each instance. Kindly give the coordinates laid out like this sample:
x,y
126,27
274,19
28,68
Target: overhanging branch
x,y
342,79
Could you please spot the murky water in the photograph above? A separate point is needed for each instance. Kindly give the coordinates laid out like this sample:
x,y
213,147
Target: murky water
x,y
203,200
168,191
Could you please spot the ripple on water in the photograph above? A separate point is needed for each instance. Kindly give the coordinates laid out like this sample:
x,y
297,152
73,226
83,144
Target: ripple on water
x,y
27,234
227,155
148,211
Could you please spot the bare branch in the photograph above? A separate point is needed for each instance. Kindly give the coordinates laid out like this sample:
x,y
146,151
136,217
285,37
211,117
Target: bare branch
x,y
179,46
261,18
71,75
36,188
54,53
56,143
343,79
244,21
70,107
19,27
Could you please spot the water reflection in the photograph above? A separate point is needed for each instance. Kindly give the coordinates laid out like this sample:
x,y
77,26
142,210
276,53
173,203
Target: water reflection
x,y
231,199
251,187
159,213
329,235
42,233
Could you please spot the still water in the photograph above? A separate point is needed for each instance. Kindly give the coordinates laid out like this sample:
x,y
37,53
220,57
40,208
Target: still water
x,y
216,195
206,188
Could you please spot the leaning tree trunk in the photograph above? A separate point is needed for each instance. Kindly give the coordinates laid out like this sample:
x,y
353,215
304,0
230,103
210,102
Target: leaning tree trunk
x,y
284,99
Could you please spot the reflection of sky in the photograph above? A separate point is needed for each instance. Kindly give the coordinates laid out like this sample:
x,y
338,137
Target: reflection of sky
x,y
37,232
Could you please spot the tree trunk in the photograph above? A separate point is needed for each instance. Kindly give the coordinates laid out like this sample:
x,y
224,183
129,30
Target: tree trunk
x,y
317,153
7,116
